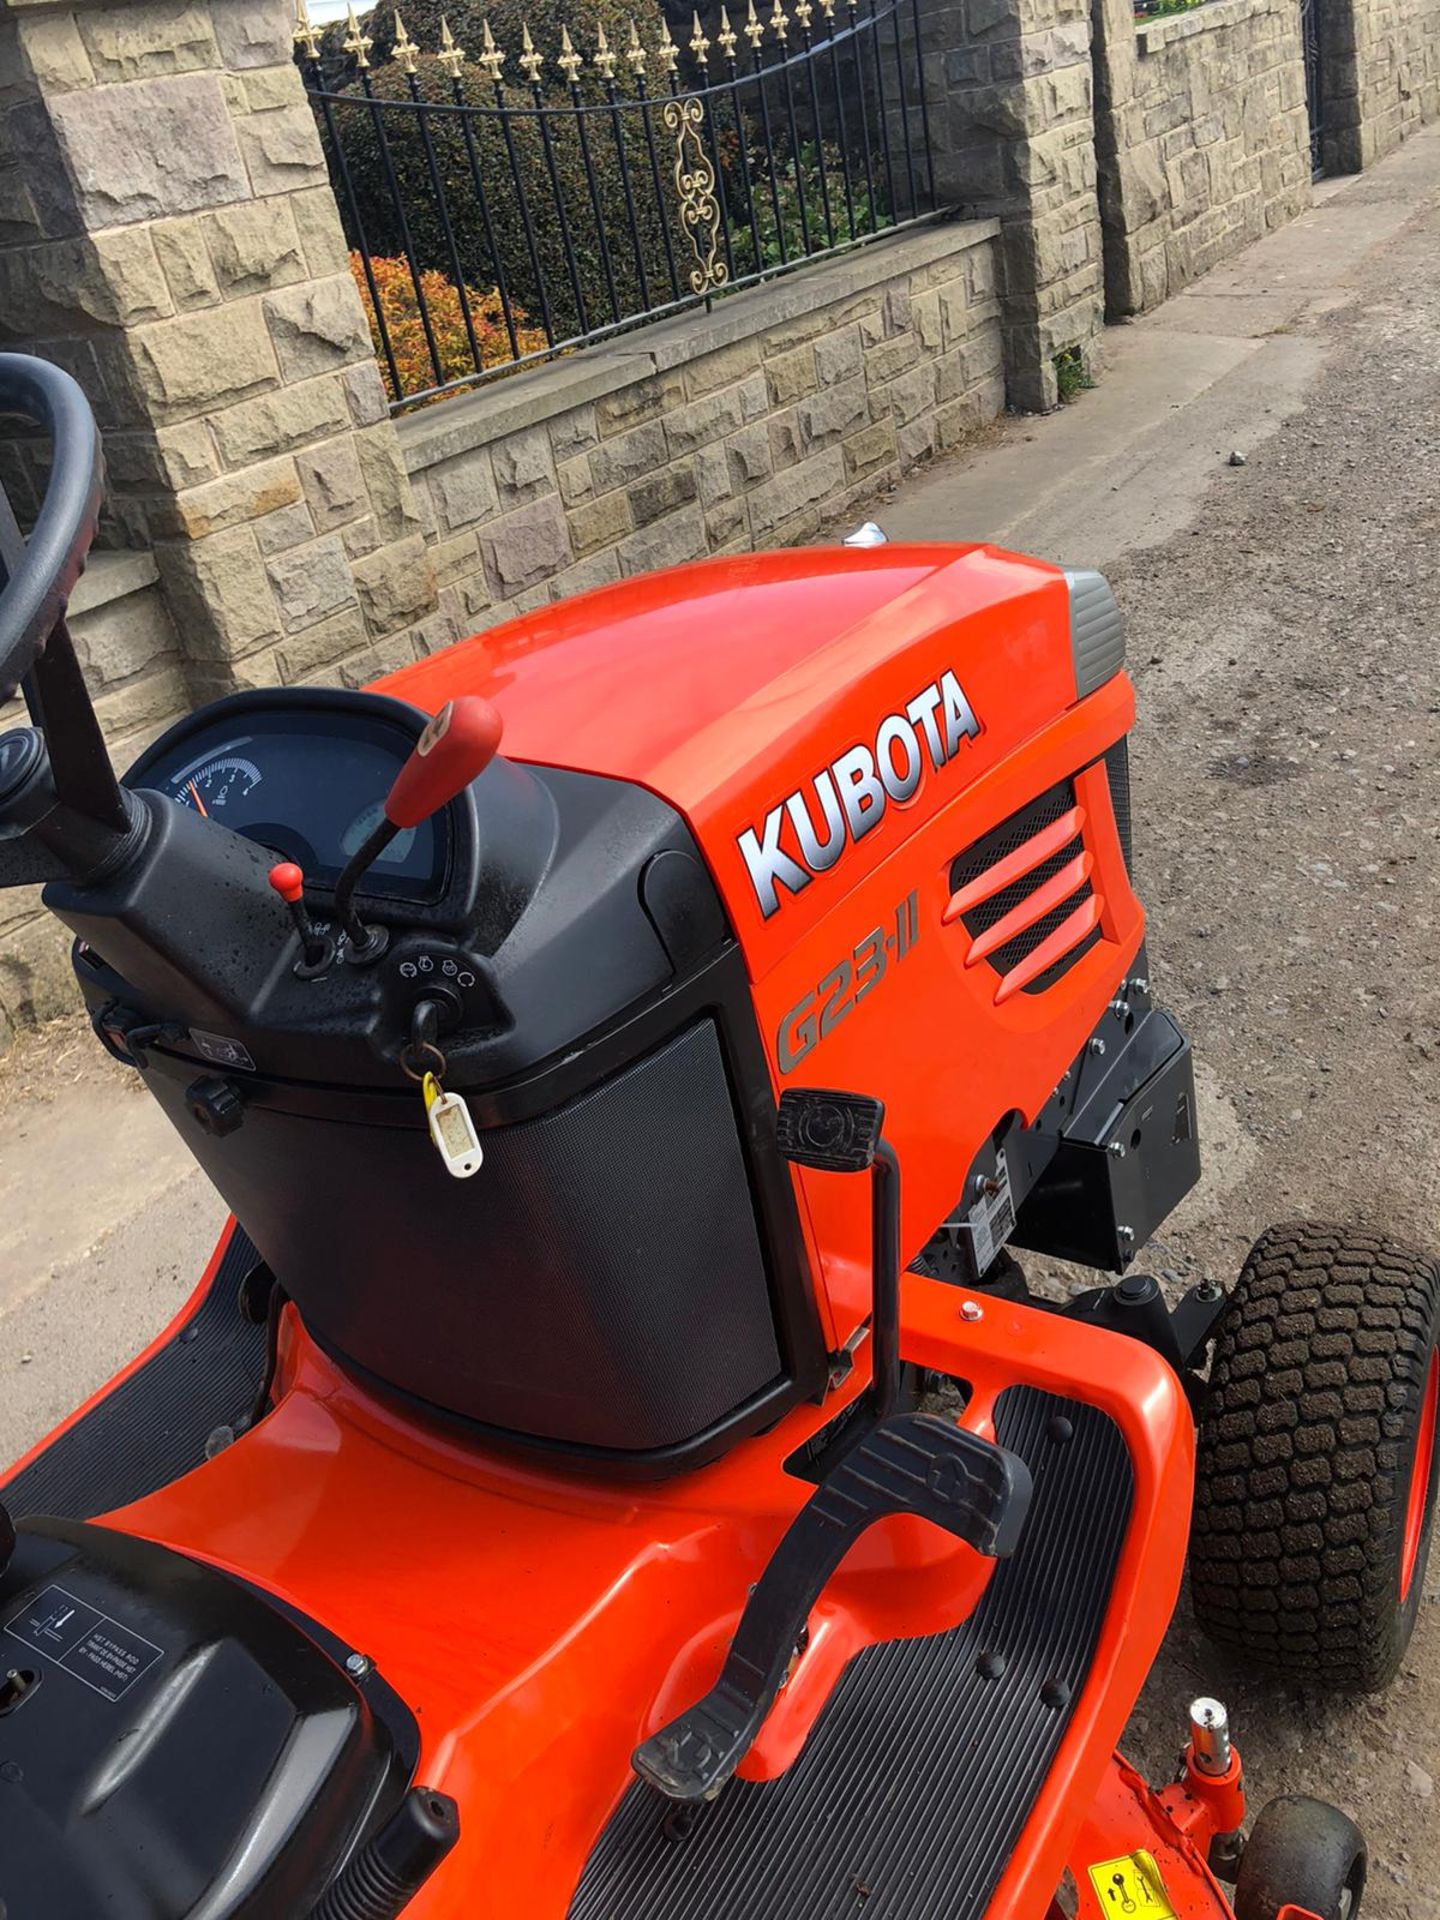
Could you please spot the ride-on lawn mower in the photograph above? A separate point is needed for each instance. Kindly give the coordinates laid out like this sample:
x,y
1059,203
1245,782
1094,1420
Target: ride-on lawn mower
x,y
613,1466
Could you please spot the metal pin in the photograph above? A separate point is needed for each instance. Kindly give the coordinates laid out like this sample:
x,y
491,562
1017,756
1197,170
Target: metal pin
x,y
1210,1737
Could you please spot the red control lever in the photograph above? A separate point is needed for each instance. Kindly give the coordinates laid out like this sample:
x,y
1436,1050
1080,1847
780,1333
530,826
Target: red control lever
x,y
289,882
455,748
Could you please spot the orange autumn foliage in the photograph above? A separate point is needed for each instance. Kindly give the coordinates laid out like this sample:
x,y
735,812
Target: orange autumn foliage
x,y
406,331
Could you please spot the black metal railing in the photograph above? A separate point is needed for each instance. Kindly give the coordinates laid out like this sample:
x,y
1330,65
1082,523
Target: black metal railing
x,y
494,223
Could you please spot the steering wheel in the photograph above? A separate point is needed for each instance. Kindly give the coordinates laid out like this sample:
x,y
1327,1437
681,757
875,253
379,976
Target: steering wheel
x,y
40,575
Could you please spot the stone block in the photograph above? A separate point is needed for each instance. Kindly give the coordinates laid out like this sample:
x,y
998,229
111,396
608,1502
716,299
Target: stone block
x,y
54,52
871,448
185,261
664,491
929,326
112,277
396,584
890,358
251,34
279,421
282,150
838,356
784,439
915,442
270,87
600,522
726,521
681,536
312,582
454,559
365,392
713,479
333,483
525,547
145,703
126,636
255,247
642,400
629,456
808,484
722,369
791,375
318,327
201,361
220,592
573,478
749,456
600,570
834,412
361,536
523,466
388,657
711,417
154,148
317,226
392,498
463,491
137,42
573,432
911,396
286,527
230,501
321,645
439,631
178,457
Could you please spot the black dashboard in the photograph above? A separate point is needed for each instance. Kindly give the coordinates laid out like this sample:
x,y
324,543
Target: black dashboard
x,y
304,775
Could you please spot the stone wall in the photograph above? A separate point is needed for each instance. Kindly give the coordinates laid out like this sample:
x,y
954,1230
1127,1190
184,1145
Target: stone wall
x,y
1013,130
1380,74
758,425
1203,139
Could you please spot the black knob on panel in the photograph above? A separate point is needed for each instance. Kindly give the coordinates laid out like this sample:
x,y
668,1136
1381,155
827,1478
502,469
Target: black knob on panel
x,y
217,1105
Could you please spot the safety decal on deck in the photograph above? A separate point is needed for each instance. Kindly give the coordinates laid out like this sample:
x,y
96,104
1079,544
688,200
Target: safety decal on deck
x,y
95,1649
1132,1887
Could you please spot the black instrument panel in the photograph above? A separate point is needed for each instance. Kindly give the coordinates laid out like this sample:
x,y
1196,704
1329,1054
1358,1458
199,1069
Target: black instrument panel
x,y
306,778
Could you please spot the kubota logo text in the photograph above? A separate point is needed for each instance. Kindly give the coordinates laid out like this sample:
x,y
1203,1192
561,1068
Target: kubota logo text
x,y
807,833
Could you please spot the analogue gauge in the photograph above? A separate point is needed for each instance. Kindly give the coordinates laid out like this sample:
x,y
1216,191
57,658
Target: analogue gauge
x,y
216,786
361,828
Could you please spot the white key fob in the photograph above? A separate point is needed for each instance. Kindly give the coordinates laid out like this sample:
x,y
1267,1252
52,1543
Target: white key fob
x,y
452,1130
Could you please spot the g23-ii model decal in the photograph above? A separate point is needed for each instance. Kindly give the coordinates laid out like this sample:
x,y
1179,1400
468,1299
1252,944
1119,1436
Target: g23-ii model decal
x,y
850,796
846,985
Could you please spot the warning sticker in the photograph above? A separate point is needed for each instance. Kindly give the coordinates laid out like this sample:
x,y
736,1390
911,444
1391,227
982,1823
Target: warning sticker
x,y
1132,1887
992,1218
94,1648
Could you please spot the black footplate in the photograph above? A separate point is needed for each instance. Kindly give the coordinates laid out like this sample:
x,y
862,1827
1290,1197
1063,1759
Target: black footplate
x,y
912,1463
165,1418
909,1796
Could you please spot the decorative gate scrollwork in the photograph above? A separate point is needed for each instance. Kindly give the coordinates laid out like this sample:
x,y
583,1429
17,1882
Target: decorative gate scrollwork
x,y
695,184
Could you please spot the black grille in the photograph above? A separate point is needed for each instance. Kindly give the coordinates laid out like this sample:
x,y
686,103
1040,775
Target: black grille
x,y
996,846
1117,768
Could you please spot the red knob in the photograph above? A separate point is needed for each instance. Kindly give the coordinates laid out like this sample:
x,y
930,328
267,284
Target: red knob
x,y
288,881
455,748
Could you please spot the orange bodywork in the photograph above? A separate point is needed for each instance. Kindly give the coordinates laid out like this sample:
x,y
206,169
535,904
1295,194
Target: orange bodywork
x,y
540,1625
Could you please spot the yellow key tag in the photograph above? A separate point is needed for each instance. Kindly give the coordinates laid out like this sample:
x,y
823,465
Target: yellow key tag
x,y
452,1129
1131,1888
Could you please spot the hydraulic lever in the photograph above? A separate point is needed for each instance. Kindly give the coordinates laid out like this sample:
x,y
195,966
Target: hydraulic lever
x,y
455,748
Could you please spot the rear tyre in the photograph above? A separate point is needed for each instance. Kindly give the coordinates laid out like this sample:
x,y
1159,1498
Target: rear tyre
x,y
1305,1854
1316,1475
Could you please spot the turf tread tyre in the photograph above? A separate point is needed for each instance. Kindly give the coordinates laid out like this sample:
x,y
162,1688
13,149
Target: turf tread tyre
x,y
1306,1443
1301,1852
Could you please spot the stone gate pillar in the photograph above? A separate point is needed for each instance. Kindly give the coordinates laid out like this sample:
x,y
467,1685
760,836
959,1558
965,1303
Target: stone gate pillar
x,y
1011,113
168,234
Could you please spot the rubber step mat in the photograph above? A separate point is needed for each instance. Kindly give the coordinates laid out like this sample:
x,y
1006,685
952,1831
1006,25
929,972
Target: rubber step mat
x,y
910,1793
155,1425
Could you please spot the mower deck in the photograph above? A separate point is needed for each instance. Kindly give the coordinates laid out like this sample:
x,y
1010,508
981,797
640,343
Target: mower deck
x,y
157,1422
913,1788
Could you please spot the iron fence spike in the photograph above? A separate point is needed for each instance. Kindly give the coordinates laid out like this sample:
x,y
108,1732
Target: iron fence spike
x,y
531,62
404,50
570,62
603,59
451,57
753,30
699,45
358,43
